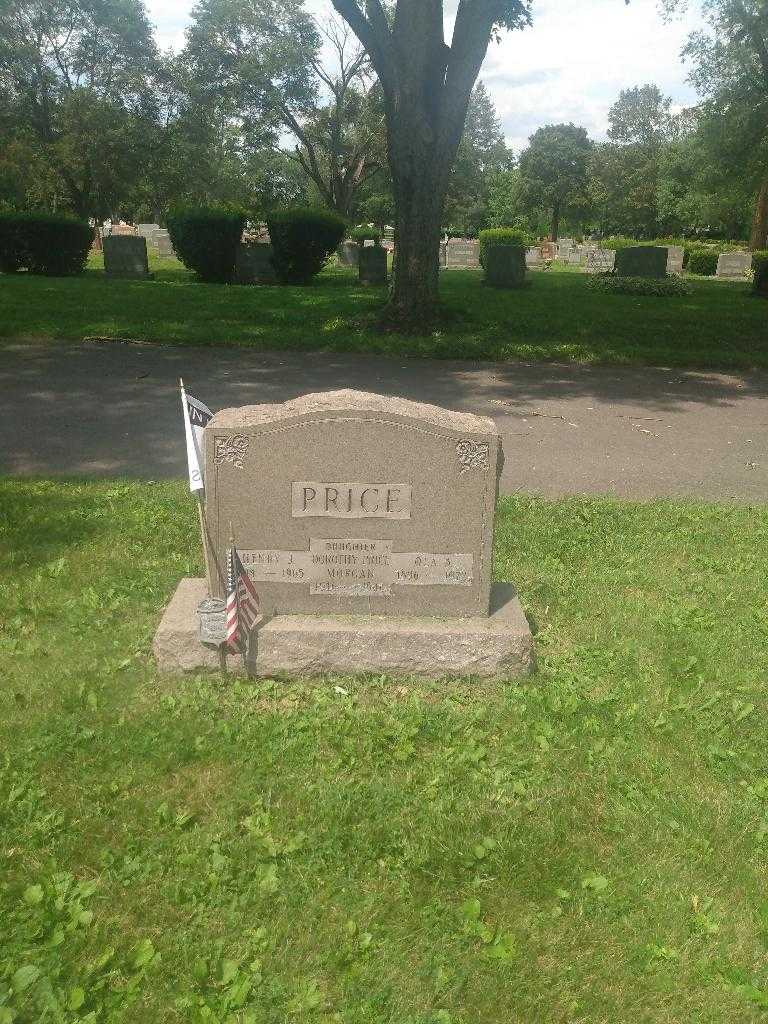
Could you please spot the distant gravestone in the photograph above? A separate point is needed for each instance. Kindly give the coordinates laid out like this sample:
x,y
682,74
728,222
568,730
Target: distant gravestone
x,y
253,264
548,250
462,254
372,265
125,256
163,243
348,254
366,525
533,257
564,246
443,255
734,265
600,261
675,254
641,261
148,231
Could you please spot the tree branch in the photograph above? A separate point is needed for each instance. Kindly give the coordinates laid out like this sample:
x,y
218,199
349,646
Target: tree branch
x,y
373,32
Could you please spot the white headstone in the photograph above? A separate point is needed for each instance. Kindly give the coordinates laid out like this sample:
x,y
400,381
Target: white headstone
x,y
734,265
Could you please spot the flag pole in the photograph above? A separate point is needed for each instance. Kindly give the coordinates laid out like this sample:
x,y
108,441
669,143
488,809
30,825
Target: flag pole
x,y
200,507
244,641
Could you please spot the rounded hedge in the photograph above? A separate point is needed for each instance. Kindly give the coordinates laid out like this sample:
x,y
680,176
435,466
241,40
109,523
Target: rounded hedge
x,y
44,243
365,233
206,239
760,267
12,250
702,261
501,236
303,239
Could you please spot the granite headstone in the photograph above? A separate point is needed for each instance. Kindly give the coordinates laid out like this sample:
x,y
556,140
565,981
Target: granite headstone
x,y
126,256
734,265
675,254
253,264
366,524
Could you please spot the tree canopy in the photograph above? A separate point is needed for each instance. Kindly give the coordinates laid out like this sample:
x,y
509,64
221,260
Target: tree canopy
x,y
554,170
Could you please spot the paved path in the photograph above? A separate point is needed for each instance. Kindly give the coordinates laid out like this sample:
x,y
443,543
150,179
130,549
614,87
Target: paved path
x,y
112,409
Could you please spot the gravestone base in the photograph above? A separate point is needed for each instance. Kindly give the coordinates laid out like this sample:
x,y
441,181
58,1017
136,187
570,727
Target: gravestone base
x,y
497,646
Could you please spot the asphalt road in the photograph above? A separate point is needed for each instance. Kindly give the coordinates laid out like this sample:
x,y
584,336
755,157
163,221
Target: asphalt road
x,y
113,410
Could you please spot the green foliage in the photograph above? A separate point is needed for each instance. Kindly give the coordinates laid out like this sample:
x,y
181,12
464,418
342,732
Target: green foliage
x,y
501,236
206,239
52,244
77,81
379,209
701,261
482,155
554,170
12,249
618,242
303,239
760,267
611,283
365,233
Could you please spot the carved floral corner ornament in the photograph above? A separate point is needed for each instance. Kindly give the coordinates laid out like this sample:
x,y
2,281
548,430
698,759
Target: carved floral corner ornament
x,y
233,448
472,455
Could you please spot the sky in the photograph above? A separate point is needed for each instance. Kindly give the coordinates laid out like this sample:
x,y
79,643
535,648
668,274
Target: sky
x,y
570,66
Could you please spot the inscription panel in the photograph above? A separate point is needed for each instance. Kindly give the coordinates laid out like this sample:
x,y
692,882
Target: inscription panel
x,y
351,567
425,569
350,500
357,566
354,465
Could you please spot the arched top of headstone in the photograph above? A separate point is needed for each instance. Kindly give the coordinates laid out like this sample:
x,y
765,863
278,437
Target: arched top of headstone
x,y
349,401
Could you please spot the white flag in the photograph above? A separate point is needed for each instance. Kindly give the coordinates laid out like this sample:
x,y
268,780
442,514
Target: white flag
x,y
196,415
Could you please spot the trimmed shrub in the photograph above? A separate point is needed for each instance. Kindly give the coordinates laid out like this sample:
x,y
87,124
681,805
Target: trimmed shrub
x,y
702,261
12,251
206,239
501,236
365,233
44,243
303,238
641,261
760,267
661,286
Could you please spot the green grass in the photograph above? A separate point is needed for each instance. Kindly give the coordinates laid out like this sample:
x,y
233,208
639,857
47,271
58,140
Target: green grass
x,y
586,848
557,318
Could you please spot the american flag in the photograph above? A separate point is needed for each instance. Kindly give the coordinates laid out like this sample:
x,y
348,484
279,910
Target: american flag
x,y
242,603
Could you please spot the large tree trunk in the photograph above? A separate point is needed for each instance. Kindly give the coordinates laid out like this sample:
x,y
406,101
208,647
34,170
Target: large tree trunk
x,y
418,222
555,222
759,236
420,182
427,86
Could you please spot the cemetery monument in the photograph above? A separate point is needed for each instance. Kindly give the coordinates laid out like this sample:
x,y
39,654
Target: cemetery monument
x,y
126,256
366,526
733,266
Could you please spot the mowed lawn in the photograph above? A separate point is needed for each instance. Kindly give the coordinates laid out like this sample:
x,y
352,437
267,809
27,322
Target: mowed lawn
x,y
720,325
588,847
